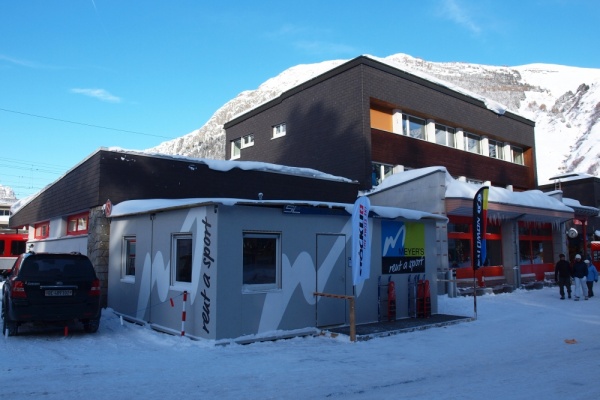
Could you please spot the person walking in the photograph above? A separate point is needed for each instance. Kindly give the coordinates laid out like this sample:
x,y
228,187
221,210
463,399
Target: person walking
x,y
562,276
592,276
580,272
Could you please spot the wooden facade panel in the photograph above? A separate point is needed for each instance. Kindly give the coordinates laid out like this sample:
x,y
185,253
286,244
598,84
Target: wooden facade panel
x,y
411,97
390,148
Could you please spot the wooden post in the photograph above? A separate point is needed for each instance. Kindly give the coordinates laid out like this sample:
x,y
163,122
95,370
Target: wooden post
x,y
352,321
352,311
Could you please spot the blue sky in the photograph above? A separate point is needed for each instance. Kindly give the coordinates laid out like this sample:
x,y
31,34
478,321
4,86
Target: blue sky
x,y
76,75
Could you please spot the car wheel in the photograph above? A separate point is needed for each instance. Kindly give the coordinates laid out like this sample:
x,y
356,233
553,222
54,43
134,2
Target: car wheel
x,y
10,328
91,325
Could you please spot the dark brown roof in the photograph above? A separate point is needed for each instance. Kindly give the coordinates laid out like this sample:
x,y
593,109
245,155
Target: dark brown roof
x,y
120,176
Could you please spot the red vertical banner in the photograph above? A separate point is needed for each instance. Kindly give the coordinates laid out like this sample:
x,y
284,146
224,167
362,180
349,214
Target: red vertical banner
x,y
480,206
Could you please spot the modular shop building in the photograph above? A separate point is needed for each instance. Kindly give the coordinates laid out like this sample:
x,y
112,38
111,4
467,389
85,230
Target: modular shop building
x,y
227,269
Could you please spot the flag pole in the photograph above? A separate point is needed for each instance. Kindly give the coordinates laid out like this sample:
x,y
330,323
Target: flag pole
x,y
479,228
474,295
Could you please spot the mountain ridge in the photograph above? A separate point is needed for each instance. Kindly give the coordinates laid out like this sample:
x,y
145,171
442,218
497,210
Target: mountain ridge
x,y
564,102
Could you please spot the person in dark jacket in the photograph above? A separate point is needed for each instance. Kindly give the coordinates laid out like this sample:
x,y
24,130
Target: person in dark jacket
x,y
592,277
580,271
562,276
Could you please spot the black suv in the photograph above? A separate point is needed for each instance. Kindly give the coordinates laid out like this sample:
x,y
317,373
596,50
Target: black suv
x,y
51,287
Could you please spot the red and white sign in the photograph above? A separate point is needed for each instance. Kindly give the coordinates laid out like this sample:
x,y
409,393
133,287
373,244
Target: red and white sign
x,y
108,208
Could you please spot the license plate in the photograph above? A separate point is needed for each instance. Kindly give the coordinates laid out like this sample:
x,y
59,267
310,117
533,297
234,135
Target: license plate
x,y
55,293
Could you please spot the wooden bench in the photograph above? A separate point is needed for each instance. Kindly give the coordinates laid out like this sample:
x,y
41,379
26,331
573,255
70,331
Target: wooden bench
x,y
464,287
529,281
549,279
498,284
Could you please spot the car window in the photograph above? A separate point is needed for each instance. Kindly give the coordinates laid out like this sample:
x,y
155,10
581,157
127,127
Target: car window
x,y
50,267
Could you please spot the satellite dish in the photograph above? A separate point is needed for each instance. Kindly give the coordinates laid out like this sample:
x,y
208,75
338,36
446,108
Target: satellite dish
x,y
572,233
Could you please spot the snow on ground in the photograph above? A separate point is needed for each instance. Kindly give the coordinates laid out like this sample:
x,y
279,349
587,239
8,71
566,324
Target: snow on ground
x,y
517,348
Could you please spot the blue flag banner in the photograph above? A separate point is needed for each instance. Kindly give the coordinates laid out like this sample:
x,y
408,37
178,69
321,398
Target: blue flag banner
x,y
361,246
480,206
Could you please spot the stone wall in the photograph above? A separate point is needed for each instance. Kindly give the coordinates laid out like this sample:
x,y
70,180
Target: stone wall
x,y
98,244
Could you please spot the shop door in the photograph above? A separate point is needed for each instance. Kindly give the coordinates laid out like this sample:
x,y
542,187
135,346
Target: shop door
x,y
331,279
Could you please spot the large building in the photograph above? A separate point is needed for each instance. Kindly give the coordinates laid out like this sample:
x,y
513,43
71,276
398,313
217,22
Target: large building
x,y
70,214
365,119
585,190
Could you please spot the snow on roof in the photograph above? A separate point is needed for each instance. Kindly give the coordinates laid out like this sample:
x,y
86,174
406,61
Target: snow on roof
x,y
571,177
217,165
573,203
458,189
529,198
134,207
227,165
490,104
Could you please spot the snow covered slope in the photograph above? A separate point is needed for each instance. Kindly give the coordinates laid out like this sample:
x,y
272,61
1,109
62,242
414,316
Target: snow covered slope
x,y
563,101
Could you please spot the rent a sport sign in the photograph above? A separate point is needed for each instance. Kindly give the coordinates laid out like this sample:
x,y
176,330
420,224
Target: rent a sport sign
x,y
402,247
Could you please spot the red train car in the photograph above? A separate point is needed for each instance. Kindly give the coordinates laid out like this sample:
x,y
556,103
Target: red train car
x,y
11,245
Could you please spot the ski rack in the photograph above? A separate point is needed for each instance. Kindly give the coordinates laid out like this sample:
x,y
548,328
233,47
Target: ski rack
x,y
389,301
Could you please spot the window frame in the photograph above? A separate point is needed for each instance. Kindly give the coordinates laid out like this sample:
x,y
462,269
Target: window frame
x,y
449,135
464,236
408,121
380,171
517,155
262,287
498,149
279,130
76,218
175,259
248,140
535,234
126,259
236,149
471,137
41,230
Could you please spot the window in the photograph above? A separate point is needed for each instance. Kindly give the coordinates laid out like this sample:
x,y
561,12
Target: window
x,y
517,155
535,243
445,135
380,172
17,247
279,131
77,224
460,239
413,127
236,148
129,251
248,141
181,259
238,144
496,149
472,143
42,230
262,265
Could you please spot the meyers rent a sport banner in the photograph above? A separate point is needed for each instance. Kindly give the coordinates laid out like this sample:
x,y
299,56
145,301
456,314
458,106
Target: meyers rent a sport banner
x,y
402,247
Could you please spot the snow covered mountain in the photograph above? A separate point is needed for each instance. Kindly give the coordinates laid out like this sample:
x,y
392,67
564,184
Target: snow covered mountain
x,y
563,101
7,195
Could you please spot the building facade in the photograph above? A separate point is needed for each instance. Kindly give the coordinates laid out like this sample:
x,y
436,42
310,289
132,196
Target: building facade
x,y
368,121
253,268
70,214
365,120
584,189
